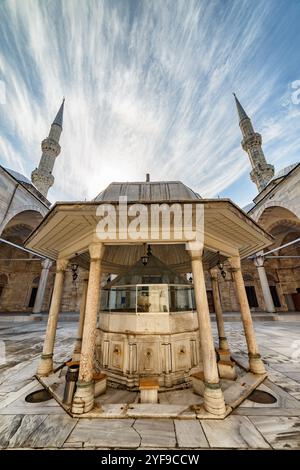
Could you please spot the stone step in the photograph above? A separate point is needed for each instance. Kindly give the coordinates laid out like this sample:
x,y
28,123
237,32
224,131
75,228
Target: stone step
x,y
149,390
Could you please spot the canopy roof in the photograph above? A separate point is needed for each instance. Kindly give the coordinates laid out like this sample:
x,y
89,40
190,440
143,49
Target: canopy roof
x,y
69,228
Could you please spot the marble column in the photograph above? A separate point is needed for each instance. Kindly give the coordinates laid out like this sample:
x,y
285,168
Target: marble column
x,y
259,263
46,363
213,395
84,396
255,363
77,348
46,265
223,343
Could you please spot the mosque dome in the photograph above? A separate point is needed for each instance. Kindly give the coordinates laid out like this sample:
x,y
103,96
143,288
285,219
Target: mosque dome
x,y
148,192
284,171
18,176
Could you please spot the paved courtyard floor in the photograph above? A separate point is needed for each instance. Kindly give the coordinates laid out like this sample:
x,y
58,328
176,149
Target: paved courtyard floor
x,y
46,425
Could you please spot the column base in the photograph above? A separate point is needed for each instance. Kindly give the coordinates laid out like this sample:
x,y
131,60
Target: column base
x,y
223,343
83,400
201,413
214,399
223,354
256,364
46,365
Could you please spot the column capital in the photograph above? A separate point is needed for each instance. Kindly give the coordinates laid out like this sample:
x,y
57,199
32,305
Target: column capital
x,y
195,254
96,251
46,263
259,261
61,264
214,273
235,263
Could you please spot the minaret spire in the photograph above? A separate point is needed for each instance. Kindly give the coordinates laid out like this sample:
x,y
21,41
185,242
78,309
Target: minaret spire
x,y
262,172
60,114
241,112
42,177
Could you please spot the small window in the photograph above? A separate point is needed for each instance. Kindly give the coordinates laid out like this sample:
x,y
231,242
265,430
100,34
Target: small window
x,y
251,295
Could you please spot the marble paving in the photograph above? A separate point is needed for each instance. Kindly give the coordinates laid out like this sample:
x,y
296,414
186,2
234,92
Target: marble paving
x,y
46,425
190,434
281,432
104,433
156,433
233,432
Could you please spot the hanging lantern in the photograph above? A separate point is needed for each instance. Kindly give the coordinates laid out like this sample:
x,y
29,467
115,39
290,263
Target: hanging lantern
x,y
74,268
221,266
147,252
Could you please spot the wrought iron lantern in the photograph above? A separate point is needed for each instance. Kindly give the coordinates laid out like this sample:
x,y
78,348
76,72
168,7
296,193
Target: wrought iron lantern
x,y
147,254
74,268
221,266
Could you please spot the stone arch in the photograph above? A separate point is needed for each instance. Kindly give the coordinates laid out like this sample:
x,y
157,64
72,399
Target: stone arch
x,y
18,211
28,218
273,204
284,230
16,231
20,291
286,222
274,213
292,249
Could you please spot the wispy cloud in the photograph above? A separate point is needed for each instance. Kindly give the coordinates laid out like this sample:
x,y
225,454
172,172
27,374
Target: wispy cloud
x,y
148,88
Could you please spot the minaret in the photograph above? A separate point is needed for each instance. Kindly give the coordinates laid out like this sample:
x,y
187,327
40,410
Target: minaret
x,y
42,177
261,172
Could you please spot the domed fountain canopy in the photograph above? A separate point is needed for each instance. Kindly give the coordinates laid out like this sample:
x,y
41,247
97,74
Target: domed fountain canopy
x,y
71,227
154,272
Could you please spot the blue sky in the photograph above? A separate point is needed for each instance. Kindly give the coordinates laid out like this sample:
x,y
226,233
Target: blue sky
x,y
148,87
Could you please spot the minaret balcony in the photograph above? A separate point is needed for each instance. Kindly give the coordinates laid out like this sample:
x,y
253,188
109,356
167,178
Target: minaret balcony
x,y
51,147
42,181
252,141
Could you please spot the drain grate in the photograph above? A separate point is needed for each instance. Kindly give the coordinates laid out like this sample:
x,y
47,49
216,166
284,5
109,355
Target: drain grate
x,y
38,396
259,396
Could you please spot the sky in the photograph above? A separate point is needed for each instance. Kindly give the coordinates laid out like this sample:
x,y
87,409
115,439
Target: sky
x,y
148,87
